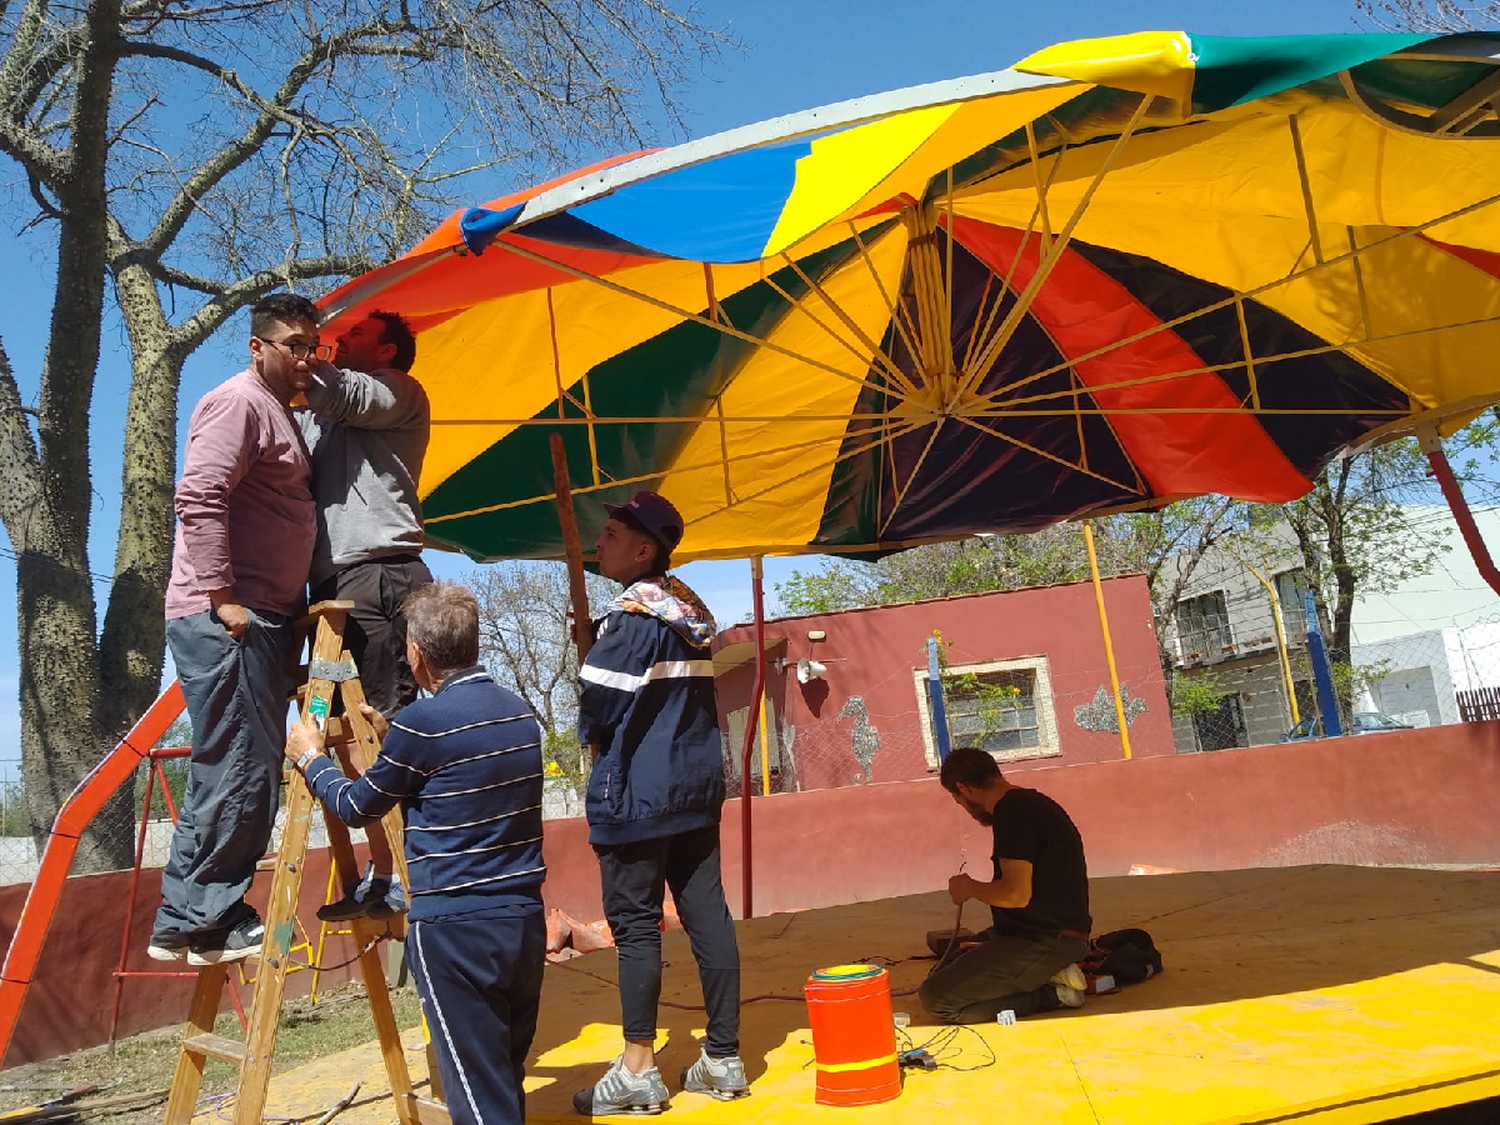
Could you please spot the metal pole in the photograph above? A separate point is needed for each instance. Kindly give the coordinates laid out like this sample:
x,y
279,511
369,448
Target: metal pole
x,y
1109,648
1432,445
583,634
751,714
765,749
572,546
1317,654
935,696
1286,659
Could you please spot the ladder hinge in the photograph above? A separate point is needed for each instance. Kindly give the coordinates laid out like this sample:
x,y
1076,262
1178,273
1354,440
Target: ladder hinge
x,y
335,671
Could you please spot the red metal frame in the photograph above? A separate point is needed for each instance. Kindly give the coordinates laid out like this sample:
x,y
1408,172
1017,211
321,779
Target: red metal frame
x,y
82,805
155,776
1432,445
752,718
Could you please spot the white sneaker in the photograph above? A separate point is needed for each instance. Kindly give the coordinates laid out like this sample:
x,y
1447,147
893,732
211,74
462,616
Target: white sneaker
x,y
1070,976
1067,997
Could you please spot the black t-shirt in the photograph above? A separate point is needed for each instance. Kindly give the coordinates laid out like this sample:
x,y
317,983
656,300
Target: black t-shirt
x,y
1032,826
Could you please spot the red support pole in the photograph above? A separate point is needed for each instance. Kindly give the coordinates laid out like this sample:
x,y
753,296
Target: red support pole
x,y
1432,445
751,719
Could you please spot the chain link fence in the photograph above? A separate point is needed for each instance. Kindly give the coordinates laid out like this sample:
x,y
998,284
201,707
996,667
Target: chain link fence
x,y
1240,673
1230,684
1017,709
146,831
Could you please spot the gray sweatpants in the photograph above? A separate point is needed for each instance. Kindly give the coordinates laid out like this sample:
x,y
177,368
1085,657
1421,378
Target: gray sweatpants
x,y
236,693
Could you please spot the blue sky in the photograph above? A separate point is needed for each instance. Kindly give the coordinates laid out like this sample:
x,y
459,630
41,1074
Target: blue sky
x,y
798,55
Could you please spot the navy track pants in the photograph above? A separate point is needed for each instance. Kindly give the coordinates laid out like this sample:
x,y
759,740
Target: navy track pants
x,y
479,977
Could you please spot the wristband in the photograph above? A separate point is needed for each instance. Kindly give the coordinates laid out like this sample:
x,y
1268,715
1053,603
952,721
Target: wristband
x,y
306,759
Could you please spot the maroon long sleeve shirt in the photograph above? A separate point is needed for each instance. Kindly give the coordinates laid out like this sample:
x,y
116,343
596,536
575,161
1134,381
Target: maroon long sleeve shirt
x,y
245,517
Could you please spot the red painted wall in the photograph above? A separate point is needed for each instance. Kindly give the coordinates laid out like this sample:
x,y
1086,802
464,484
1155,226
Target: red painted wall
x,y
1413,797
69,1002
871,653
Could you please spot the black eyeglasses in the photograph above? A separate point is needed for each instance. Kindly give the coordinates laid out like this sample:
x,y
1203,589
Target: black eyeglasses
x,y
299,350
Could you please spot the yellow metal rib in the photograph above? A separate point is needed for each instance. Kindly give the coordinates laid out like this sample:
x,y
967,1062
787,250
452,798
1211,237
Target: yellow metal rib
x,y
885,430
1049,261
1280,282
1019,444
675,310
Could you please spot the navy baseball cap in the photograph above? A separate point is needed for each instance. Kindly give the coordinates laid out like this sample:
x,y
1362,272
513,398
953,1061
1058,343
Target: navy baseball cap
x,y
652,513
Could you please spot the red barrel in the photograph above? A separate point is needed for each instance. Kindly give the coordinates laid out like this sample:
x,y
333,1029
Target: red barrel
x,y
854,1035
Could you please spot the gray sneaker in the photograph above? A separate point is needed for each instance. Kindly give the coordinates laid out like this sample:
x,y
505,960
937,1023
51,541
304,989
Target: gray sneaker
x,y
620,1091
721,1078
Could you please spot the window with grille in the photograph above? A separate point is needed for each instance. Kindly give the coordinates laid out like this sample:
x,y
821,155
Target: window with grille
x,y
1291,586
1203,627
1004,707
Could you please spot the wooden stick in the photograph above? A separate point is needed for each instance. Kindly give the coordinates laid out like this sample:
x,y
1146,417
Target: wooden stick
x,y
339,1106
572,547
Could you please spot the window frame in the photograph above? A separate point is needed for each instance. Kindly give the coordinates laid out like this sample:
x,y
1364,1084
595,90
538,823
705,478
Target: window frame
x,y
1294,617
1223,636
1048,745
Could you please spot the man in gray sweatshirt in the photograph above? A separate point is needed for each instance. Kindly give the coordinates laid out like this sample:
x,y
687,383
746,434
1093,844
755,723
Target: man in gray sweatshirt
x,y
367,424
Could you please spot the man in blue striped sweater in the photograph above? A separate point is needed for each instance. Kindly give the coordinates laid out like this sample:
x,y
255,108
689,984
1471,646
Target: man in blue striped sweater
x,y
654,800
466,767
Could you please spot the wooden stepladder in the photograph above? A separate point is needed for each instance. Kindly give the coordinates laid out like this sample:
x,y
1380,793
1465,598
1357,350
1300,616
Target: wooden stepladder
x,y
330,672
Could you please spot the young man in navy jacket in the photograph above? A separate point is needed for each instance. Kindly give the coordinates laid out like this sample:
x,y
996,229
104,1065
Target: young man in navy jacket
x,y
654,799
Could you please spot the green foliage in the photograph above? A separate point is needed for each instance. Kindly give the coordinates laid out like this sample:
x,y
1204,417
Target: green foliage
x,y
1350,680
992,701
565,757
943,645
14,819
840,584
175,770
1130,543
1196,695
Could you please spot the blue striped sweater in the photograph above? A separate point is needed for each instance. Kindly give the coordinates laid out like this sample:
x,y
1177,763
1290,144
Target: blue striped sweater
x,y
466,767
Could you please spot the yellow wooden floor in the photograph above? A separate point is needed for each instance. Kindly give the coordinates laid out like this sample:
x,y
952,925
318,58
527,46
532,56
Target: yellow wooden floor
x,y
1328,994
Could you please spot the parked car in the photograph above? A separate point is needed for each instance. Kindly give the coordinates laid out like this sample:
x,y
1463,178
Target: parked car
x,y
1362,722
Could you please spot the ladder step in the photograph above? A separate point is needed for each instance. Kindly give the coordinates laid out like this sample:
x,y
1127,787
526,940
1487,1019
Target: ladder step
x,y
315,613
430,1112
215,1047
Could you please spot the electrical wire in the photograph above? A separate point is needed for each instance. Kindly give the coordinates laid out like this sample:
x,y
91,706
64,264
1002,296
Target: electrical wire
x,y
369,945
945,1042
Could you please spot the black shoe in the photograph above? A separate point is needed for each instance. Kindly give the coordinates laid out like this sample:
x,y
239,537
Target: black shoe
x,y
386,899
374,897
238,943
343,910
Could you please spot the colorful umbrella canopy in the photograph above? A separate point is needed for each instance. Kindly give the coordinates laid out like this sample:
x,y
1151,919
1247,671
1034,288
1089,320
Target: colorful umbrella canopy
x,y
1123,271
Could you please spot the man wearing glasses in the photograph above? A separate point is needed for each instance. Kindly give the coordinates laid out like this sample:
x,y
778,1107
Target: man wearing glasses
x,y
245,530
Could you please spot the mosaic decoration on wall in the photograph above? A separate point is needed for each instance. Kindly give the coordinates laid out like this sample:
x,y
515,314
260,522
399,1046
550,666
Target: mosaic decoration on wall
x,y
1100,714
864,739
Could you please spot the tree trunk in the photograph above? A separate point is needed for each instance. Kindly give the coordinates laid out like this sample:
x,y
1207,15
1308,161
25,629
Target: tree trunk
x,y
134,635
47,492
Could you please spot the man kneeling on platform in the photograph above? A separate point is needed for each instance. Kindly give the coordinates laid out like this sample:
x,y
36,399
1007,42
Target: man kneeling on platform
x,y
466,767
1039,898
